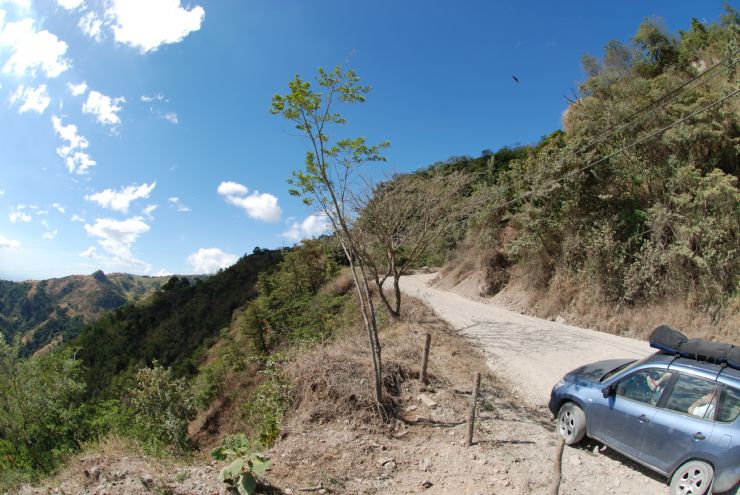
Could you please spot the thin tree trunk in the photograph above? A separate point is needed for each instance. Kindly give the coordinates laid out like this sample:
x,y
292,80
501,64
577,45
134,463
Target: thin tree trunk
x,y
397,292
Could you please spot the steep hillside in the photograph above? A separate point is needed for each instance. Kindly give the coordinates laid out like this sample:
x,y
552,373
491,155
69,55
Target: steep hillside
x,y
632,209
54,310
169,326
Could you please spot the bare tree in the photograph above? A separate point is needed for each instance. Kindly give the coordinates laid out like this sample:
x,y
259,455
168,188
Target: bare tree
x,y
329,177
402,219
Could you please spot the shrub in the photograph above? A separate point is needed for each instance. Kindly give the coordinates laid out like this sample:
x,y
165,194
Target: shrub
x,y
163,406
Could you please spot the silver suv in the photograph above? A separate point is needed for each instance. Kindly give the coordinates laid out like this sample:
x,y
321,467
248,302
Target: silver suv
x,y
674,412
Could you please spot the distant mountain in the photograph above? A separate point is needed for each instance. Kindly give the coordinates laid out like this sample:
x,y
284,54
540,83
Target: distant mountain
x,y
57,309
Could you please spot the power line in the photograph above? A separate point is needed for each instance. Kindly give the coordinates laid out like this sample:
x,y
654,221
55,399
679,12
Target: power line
x,y
620,150
628,121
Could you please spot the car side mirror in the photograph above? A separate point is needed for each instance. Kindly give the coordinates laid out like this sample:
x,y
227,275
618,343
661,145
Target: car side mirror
x,y
607,391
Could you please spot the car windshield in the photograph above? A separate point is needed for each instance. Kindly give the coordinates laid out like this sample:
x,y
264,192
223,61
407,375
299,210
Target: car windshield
x,y
625,366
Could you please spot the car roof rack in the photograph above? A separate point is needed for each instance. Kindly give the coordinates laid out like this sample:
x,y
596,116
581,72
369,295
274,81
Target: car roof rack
x,y
673,342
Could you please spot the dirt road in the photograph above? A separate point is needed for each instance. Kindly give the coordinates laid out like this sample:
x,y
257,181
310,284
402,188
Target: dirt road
x,y
530,353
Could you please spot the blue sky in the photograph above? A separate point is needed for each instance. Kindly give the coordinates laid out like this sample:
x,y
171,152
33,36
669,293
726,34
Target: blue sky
x,y
135,134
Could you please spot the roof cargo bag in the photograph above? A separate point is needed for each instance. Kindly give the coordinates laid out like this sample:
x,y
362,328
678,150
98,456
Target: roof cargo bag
x,y
733,358
703,350
667,339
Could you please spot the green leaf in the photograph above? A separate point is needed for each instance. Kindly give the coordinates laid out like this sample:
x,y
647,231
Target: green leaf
x,y
218,454
232,470
259,465
247,485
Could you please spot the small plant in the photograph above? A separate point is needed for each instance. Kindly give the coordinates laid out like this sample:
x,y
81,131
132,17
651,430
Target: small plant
x,y
241,475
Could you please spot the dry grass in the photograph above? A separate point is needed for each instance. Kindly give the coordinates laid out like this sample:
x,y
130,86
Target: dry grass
x,y
335,381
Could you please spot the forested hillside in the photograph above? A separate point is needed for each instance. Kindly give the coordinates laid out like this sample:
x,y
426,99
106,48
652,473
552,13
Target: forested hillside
x,y
56,309
635,202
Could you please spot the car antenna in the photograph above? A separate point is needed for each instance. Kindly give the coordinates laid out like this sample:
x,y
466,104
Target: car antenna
x,y
675,356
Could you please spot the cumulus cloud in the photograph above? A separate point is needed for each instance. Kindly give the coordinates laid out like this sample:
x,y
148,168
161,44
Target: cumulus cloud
x,y
71,4
103,107
77,218
229,188
163,273
209,260
6,243
17,214
262,206
36,99
149,24
32,50
311,226
58,208
175,203
92,25
76,160
117,237
77,89
50,235
120,200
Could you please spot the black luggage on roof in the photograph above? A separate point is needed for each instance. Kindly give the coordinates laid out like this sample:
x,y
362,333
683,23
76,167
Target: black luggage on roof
x,y
672,341
667,339
733,358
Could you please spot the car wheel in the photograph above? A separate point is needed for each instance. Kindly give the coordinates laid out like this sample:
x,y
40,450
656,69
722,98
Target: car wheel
x,y
571,423
692,478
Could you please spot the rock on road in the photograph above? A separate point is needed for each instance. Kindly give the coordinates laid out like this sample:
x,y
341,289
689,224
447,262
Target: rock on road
x,y
529,353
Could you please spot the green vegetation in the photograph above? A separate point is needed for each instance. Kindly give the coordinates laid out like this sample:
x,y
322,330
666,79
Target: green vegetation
x,y
659,220
242,473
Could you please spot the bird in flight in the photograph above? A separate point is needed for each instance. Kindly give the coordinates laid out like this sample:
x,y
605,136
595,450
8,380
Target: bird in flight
x,y
516,79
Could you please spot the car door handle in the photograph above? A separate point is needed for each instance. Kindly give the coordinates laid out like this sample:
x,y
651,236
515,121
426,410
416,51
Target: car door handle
x,y
643,419
699,436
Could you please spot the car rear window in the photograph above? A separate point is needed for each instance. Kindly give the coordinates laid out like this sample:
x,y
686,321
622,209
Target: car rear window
x,y
729,405
694,396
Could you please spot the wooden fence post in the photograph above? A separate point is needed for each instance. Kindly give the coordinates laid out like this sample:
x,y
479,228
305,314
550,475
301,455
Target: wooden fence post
x,y
425,359
471,415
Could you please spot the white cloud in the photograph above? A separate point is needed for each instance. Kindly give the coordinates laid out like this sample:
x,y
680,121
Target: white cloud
x,y
71,4
177,204
149,210
258,206
91,253
92,25
41,212
171,117
163,273
32,50
120,200
50,235
148,24
18,215
103,107
229,188
157,97
77,218
2,192
58,208
311,226
23,5
6,243
76,160
36,99
209,260
77,89
117,237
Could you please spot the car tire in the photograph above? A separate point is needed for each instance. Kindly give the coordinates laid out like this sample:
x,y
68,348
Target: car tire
x,y
571,423
692,478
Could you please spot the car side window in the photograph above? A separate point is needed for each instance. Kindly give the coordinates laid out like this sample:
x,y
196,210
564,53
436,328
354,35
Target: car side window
x,y
694,396
729,405
645,386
